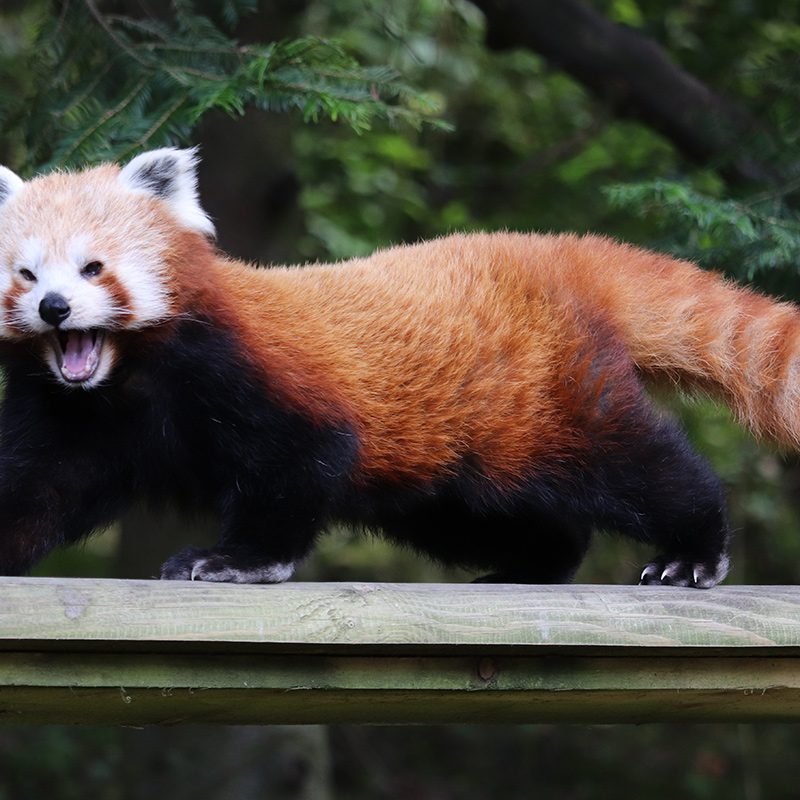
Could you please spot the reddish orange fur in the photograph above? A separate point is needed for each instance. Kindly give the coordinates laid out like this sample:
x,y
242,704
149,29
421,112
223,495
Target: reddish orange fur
x,y
490,344
119,294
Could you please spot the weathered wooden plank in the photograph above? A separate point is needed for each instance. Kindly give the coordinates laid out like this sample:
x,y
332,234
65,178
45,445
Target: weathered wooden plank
x,y
139,652
138,689
396,617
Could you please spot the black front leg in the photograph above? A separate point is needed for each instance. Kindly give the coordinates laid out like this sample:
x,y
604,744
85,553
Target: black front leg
x,y
260,544
65,470
30,525
52,502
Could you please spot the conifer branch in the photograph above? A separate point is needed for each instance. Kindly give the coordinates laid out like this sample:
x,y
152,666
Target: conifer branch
x,y
126,83
104,119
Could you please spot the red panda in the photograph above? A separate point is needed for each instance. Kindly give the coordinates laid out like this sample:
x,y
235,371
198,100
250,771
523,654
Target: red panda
x,y
479,397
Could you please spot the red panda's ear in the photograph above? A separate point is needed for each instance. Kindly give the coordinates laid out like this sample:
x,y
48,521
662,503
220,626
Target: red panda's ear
x,y
10,184
171,175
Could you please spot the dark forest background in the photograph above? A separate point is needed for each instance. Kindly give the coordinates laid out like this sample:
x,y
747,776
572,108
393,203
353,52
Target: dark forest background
x,y
330,128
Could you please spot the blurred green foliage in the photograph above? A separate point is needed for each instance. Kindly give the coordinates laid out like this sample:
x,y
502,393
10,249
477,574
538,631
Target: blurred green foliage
x,y
82,84
548,762
530,148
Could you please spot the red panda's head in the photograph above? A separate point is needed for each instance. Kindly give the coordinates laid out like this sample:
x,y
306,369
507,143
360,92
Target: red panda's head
x,y
85,255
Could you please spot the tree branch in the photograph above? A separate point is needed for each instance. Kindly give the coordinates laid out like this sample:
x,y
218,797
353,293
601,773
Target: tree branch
x,y
634,75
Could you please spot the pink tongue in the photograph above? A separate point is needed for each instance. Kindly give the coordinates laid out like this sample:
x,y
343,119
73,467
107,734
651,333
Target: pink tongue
x,y
76,354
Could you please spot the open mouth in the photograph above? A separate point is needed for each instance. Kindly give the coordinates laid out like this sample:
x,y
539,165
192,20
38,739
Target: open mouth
x,y
78,353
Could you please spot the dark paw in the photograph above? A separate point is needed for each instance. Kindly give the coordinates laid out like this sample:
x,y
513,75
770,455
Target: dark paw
x,y
684,572
223,566
179,567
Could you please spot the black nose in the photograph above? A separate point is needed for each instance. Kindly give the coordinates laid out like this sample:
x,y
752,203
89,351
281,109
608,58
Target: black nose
x,y
54,308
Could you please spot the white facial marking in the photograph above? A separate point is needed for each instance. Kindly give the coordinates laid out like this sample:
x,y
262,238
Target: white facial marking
x,y
31,252
79,249
149,299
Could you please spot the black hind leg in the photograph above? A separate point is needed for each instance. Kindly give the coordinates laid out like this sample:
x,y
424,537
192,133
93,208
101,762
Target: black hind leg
x,y
522,546
665,493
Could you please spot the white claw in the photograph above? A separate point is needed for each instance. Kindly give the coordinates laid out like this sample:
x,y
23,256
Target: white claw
x,y
694,576
664,574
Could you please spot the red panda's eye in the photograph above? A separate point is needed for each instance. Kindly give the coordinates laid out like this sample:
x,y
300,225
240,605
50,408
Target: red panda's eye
x,y
27,275
92,268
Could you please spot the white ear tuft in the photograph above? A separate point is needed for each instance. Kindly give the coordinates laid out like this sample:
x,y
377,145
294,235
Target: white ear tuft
x,y
171,175
10,184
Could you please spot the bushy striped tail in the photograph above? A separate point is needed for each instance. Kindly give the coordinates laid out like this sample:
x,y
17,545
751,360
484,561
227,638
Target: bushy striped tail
x,y
705,333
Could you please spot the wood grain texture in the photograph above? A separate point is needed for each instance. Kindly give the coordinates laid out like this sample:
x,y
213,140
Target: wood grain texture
x,y
141,652
409,617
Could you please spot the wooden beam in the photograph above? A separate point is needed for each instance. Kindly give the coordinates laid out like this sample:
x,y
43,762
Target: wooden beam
x,y
139,652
